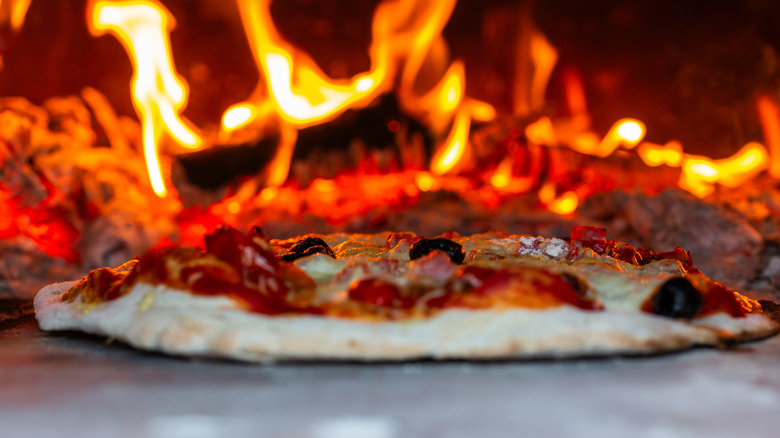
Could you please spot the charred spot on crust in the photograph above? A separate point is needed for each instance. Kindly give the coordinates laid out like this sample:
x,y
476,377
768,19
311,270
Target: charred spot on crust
x,y
306,247
579,285
425,246
771,308
677,298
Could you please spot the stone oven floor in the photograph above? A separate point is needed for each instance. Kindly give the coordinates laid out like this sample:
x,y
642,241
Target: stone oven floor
x,y
68,384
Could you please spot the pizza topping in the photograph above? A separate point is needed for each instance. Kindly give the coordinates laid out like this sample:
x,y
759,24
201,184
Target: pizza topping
x,y
379,293
677,298
684,257
516,287
594,238
394,239
306,247
719,299
257,266
369,277
100,285
210,280
623,251
424,246
436,266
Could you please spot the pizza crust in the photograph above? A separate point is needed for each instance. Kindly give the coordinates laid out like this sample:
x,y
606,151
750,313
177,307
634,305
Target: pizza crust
x,y
161,319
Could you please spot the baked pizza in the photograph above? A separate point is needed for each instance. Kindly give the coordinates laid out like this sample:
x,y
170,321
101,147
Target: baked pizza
x,y
399,296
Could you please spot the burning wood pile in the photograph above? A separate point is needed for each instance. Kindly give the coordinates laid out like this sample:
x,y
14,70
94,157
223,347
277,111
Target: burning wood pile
x,y
398,147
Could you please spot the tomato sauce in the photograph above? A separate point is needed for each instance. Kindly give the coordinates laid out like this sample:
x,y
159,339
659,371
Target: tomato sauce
x,y
517,287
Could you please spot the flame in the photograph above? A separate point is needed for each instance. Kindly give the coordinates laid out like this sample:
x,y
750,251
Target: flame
x,y
237,116
448,156
562,204
575,97
425,182
769,115
159,94
544,58
503,174
409,31
301,93
408,54
406,43
542,132
630,132
625,132
654,155
699,174
12,13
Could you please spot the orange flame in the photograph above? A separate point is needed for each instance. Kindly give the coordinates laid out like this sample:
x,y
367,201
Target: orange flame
x,y
12,13
699,174
544,58
562,204
542,132
301,93
407,44
237,116
654,155
159,94
625,132
769,115
448,156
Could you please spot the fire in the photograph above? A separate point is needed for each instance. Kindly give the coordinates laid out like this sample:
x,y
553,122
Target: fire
x,y
654,155
12,13
769,115
237,116
409,57
300,92
699,174
454,146
159,94
626,132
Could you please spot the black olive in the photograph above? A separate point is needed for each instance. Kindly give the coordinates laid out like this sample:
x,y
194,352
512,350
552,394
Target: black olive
x,y
424,246
677,298
306,247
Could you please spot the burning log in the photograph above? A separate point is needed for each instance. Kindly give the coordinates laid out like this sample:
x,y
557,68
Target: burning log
x,y
222,164
376,139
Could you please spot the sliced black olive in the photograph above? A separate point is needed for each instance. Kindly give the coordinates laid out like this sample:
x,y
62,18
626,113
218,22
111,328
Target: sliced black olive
x,y
424,246
677,298
306,247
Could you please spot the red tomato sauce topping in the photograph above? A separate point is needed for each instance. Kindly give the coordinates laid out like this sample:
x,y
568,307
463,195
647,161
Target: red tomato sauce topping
x,y
517,287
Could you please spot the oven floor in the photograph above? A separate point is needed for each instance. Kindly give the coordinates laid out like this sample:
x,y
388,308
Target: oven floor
x,y
68,384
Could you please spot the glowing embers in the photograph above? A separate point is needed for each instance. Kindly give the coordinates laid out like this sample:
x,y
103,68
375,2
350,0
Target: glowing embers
x,y
159,94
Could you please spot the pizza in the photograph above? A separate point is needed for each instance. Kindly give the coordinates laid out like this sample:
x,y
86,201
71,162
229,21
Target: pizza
x,y
399,296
